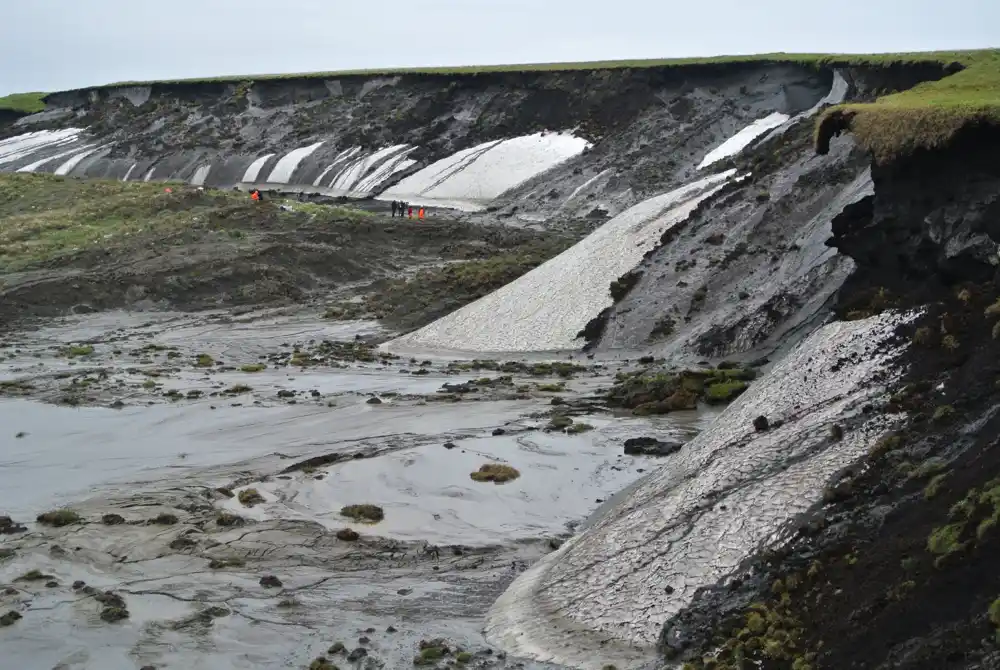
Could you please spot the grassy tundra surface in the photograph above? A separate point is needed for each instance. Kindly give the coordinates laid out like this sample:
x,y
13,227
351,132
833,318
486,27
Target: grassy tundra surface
x,y
46,217
66,242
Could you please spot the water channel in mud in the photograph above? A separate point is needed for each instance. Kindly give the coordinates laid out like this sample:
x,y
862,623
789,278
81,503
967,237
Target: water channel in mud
x,y
122,415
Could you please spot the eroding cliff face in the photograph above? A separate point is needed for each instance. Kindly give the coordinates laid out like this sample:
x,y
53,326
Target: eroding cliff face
x,y
625,134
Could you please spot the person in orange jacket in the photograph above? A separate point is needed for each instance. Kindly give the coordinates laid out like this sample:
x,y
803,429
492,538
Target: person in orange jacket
x,y
255,195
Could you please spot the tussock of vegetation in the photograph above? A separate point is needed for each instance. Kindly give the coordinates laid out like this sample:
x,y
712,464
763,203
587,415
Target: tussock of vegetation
x,y
227,520
256,367
496,473
33,576
925,116
204,361
59,518
579,427
250,497
364,513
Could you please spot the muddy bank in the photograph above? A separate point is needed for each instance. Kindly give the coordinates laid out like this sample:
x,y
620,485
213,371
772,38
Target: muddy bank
x,y
202,487
136,246
893,568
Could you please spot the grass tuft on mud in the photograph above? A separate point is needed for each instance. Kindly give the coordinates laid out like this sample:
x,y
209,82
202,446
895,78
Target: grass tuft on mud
x,y
496,473
59,518
364,513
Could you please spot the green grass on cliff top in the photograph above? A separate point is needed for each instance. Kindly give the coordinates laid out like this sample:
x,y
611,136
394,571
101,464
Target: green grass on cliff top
x,y
26,103
927,115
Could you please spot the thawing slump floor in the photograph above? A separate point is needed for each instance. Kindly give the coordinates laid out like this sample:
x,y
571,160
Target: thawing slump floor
x,y
199,422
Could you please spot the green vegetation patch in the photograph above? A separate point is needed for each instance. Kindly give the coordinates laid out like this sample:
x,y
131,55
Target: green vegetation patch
x,y
665,392
59,518
925,116
364,513
24,103
496,473
47,217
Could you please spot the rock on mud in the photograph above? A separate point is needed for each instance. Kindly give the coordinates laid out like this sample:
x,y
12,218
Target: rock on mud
x,y
648,446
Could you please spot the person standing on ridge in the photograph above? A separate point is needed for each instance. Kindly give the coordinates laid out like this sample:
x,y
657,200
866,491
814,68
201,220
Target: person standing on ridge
x,y
255,195
409,210
394,203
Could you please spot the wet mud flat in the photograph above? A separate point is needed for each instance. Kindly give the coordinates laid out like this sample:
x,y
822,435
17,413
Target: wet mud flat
x,y
209,475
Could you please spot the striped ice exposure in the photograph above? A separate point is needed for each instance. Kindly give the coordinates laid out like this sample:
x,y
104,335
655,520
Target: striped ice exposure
x,y
545,309
740,140
319,168
37,148
471,179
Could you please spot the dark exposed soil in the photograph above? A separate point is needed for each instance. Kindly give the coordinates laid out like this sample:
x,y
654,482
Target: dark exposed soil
x,y
897,567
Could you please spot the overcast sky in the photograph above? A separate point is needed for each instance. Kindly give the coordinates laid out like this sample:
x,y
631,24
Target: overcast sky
x,y
57,44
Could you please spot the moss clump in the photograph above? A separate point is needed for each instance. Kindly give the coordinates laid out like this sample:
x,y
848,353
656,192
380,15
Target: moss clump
x,y
559,422
223,563
256,367
364,513
9,619
204,361
579,427
59,518
33,576
250,497
994,613
496,473
238,389
945,540
465,657
725,392
165,520
321,663
348,535
664,327
227,520
558,387
78,350
934,485
943,414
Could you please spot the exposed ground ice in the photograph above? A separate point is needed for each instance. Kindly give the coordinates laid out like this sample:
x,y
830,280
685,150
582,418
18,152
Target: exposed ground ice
x,y
546,308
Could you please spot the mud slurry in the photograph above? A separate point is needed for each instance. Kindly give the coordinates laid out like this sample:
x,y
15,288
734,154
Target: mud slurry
x,y
213,457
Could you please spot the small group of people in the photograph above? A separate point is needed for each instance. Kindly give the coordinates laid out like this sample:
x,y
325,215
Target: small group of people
x,y
405,209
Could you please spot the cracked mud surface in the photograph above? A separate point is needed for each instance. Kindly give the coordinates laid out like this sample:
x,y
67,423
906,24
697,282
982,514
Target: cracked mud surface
x,y
155,472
